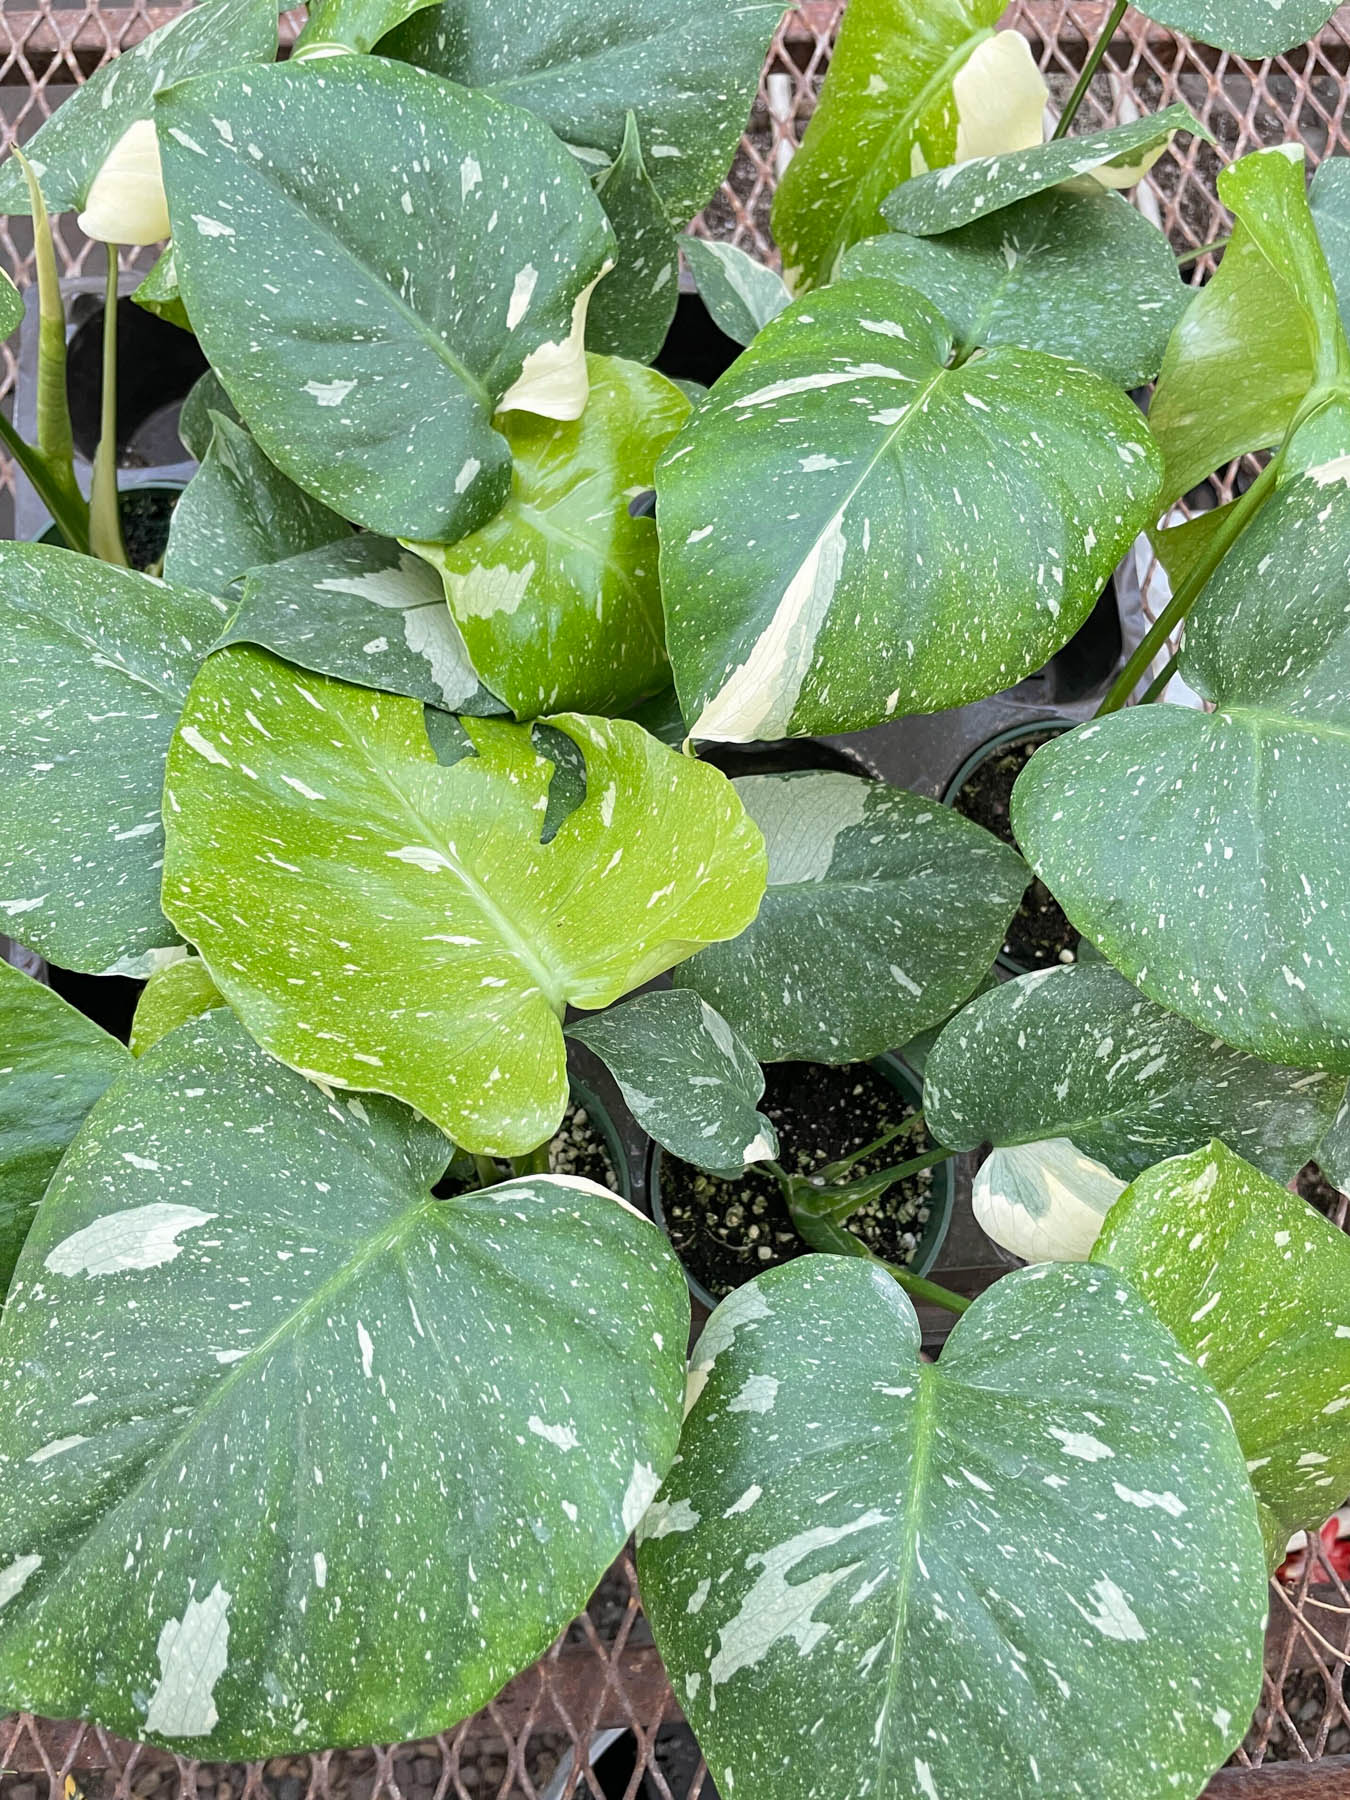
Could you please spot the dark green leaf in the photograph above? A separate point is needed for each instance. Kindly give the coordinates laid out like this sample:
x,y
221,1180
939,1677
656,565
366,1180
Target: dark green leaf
x,y
1251,28
159,294
352,24
195,424
634,305
742,295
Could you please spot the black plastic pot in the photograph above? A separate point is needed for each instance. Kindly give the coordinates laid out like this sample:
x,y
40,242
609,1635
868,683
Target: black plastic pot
x,y
934,1232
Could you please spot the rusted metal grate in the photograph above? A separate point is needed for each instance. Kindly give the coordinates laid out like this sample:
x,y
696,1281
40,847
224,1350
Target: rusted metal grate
x,y
603,1677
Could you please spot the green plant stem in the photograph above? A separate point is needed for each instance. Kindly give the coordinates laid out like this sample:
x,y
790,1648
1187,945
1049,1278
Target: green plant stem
x,y
105,523
1190,590
535,1163
1156,687
488,1172
918,1287
55,439
1095,55
72,522
1214,244
841,1203
833,1171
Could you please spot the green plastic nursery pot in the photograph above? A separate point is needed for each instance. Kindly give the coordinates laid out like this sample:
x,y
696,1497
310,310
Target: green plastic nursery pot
x,y
1015,734
599,1116
941,1200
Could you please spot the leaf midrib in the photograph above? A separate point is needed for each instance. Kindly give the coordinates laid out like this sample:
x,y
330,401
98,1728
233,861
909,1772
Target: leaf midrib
x,y
921,1456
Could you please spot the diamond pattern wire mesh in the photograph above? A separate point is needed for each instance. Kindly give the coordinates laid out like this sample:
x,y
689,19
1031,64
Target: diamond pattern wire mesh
x,y
536,1741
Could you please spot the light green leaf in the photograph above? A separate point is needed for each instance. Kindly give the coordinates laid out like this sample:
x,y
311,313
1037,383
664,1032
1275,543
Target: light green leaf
x,y
381,921
1329,201
558,597
366,610
336,197
851,530
1255,1285
1251,28
195,424
174,994
54,1064
958,195
1219,841
95,667
883,910
159,293
238,511
70,148
914,1536
335,25
1076,1052
688,76
221,1516
634,305
886,112
1044,1202
741,294
11,306
1229,383
1082,276
687,1078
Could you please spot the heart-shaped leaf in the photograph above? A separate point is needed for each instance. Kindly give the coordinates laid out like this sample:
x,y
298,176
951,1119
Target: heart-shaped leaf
x,y
54,1064
1079,1053
1251,28
1083,276
688,1079
220,1528
311,251
363,609
239,510
178,992
688,77
68,150
1255,1285
634,305
886,112
379,920
558,597
852,530
741,294
970,190
1033,1567
883,910
1044,1202
96,666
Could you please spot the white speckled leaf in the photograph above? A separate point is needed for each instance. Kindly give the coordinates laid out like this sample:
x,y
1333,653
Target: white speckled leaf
x,y
95,665
1044,1202
366,610
1333,1153
635,303
741,294
1030,1568
312,232
688,77
886,112
558,597
1255,1285
383,921
851,530
178,992
328,1498
239,510
68,150
688,1079
1252,28
334,25
1082,276
1077,1052
883,911
54,1064
11,306
195,422
970,190
159,294
1205,853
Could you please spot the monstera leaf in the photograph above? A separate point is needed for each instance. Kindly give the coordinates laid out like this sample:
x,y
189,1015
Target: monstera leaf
x,y
311,244
70,148
742,295
886,112
96,666
687,1078
11,306
337,25
956,196
1045,1201
380,920
883,911
54,1064
159,294
1079,1053
1083,276
1255,1285
955,531
912,1535
558,598
1333,1153
329,1409
688,78
363,609
634,305
1251,28
240,510
196,422
178,992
